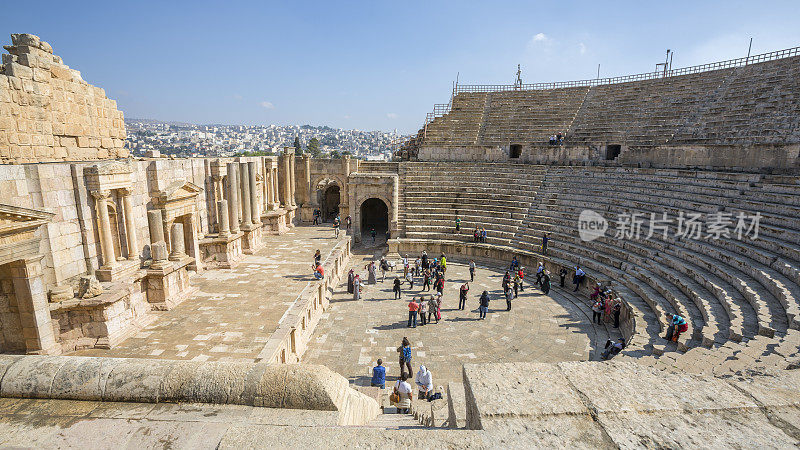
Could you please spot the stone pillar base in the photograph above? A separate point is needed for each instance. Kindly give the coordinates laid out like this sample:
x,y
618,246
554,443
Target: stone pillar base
x,y
275,221
307,213
121,271
252,240
113,316
222,252
291,216
168,286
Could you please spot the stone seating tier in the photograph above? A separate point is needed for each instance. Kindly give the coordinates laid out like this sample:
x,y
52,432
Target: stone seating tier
x,y
568,235
776,279
755,104
729,290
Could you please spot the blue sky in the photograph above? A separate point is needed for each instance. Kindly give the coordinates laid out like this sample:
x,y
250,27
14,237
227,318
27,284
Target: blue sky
x,y
377,64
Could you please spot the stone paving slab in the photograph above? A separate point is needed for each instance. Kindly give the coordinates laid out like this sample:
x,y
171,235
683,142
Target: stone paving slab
x,y
352,335
235,310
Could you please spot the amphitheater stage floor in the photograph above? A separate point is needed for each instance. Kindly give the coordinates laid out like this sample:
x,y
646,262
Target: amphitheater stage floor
x,y
352,335
234,311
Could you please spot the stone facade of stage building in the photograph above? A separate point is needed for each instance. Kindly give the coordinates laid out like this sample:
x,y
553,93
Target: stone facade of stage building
x,y
142,227
49,113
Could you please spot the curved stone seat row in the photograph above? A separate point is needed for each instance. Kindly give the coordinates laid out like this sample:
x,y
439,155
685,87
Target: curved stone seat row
x,y
665,247
777,283
729,290
290,386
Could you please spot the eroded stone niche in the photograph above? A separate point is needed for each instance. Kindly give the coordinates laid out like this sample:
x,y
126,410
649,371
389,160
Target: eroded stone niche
x,y
47,111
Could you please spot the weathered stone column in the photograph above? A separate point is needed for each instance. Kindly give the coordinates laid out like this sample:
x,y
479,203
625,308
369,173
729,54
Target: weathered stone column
x,y
155,223
106,239
130,225
34,310
268,184
216,195
286,179
344,194
222,214
292,179
159,252
178,246
254,209
244,187
276,201
308,199
233,206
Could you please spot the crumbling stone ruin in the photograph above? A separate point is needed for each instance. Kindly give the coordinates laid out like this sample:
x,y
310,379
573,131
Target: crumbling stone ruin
x,y
49,113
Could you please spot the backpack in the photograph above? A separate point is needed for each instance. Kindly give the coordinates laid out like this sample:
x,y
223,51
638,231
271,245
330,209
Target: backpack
x,y
406,353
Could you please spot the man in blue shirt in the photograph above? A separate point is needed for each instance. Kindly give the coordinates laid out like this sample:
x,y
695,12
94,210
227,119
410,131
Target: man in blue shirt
x,y
379,375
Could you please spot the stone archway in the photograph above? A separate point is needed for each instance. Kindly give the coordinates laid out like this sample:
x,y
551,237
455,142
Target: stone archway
x,y
374,214
328,197
331,197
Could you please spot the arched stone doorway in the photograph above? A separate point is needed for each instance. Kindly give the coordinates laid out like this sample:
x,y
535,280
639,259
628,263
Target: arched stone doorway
x,y
374,214
331,198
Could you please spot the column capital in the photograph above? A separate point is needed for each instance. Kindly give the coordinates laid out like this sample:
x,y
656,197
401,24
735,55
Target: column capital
x,y
126,191
100,194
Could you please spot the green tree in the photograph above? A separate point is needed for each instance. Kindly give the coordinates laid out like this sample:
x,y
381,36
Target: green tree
x,y
298,150
313,148
335,154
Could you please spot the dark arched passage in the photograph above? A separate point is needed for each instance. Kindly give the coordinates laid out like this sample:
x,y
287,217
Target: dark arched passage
x,y
330,203
374,214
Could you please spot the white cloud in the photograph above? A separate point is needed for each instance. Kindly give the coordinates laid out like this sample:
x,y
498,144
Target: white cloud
x,y
237,97
582,48
392,115
267,105
347,116
538,41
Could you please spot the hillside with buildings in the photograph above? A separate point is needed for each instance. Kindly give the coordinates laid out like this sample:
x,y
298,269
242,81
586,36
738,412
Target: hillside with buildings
x,y
184,139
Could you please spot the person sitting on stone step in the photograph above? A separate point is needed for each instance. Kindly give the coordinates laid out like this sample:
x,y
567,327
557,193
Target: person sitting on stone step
x,y
379,375
613,349
678,325
319,272
424,382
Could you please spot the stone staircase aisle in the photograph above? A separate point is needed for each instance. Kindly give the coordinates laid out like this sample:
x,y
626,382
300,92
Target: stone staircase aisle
x,y
390,420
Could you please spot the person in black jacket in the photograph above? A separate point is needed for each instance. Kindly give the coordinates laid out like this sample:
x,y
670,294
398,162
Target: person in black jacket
x,y
396,288
563,275
545,284
484,307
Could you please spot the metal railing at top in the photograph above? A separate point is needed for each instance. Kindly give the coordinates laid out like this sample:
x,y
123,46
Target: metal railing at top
x,y
444,108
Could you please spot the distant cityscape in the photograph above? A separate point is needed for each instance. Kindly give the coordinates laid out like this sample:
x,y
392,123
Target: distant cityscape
x,y
190,140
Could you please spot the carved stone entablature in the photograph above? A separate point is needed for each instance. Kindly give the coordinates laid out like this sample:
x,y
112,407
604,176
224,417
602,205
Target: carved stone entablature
x,y
218,168
18,232
109,175
177,199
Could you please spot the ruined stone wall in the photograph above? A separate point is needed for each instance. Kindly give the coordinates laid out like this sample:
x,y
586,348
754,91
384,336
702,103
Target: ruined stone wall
x,y
47,111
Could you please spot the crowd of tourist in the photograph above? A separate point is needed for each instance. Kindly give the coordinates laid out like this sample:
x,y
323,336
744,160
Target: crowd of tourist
x,y
425,307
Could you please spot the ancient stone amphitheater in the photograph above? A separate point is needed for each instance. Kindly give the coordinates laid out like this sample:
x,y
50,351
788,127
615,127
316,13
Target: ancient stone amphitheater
x,y
157,302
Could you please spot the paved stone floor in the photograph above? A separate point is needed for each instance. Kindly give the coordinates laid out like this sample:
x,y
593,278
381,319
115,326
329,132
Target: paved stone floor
x,y
234,311
352,335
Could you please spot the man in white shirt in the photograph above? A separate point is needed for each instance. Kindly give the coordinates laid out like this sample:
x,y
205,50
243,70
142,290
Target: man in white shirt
x,y
424,382
471,270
